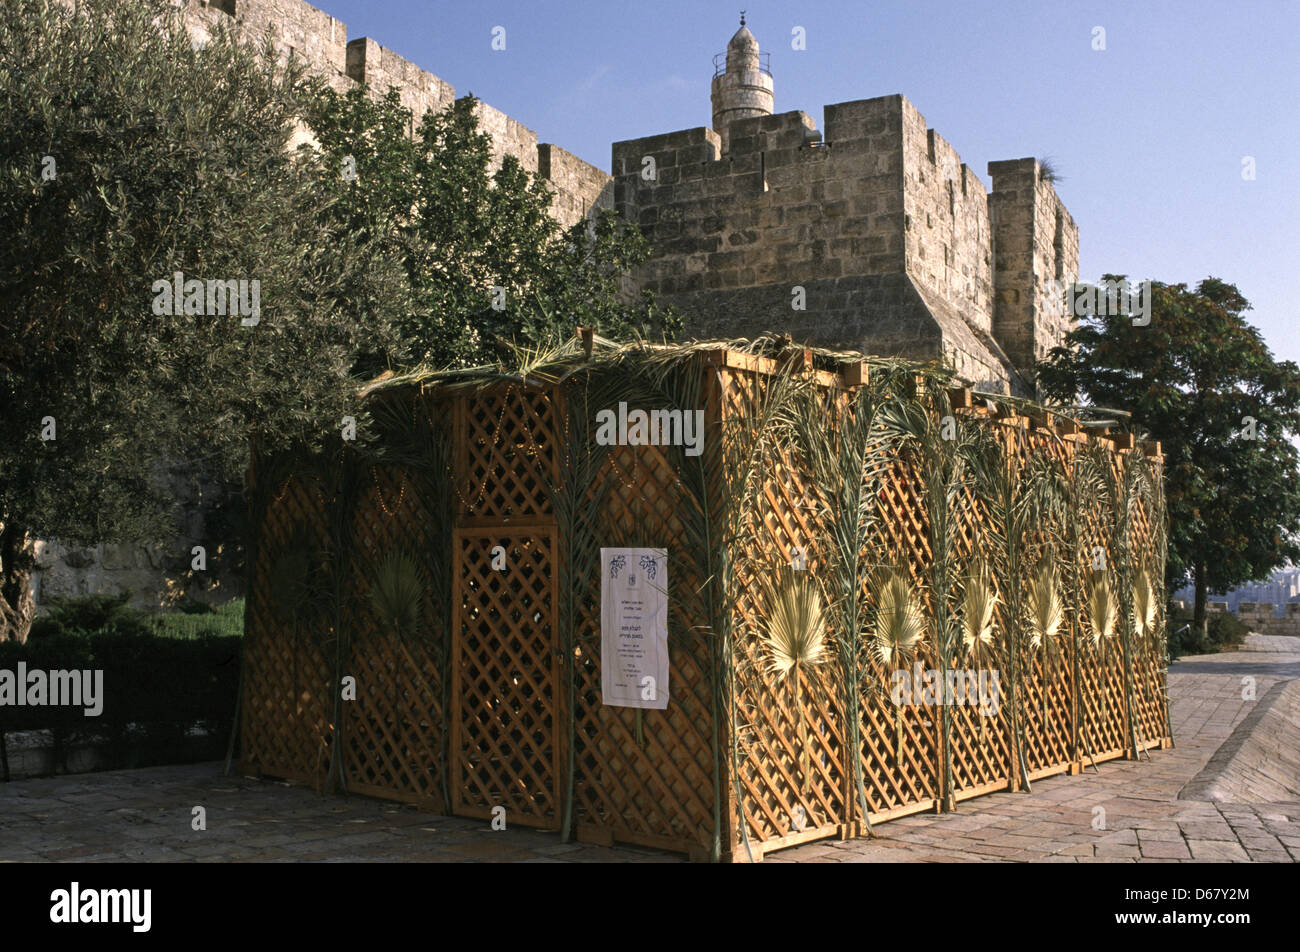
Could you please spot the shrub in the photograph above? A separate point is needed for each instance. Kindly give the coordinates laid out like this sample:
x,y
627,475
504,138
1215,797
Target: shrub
x,y
159,680
1225,631
88,615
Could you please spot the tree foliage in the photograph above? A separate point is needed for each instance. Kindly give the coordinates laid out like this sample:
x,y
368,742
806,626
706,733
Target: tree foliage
x,y
1203,382
132,150
129,152
464,229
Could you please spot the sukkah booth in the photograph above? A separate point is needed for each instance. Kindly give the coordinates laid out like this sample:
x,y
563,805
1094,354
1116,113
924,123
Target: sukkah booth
x,y
837,591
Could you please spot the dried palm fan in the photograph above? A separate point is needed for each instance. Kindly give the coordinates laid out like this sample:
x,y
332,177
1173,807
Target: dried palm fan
x,y
899,631
396,592
1046,618
794,633
1144,604
1103,616
300,587
1103,611
979,600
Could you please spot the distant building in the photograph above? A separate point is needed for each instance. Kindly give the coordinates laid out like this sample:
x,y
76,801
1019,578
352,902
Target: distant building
x,y
1282,587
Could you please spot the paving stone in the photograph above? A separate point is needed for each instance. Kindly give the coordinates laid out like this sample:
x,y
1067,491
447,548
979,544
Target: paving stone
x,y
1216,850
1116,851
1164,849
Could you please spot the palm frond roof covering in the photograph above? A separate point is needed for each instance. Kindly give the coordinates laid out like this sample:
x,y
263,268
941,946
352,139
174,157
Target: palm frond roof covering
x,y
552,364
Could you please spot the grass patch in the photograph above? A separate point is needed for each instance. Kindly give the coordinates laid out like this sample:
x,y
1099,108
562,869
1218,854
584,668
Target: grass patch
x,y
225,621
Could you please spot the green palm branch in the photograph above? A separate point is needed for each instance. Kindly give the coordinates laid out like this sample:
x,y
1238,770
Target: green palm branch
x,y
396,593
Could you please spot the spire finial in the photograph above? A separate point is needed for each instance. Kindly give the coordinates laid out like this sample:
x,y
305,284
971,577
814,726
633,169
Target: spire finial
x,y
742,17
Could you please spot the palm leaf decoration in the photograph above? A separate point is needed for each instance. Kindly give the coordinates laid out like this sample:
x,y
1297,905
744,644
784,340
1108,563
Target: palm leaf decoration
x,y
899,632
291,575
1103,616
1046,608
396,594
1103,610
796,623
979,600
978,603
1144,604
299,580
1046,619
795,638
849,462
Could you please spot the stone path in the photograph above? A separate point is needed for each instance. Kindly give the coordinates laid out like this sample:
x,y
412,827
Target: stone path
x,y
145,815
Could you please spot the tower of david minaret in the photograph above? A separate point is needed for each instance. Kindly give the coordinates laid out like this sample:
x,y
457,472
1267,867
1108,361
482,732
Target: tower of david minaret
x,y
742,85
870,234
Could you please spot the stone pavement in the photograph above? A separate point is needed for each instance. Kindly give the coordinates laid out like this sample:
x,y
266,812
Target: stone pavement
x,y
145,815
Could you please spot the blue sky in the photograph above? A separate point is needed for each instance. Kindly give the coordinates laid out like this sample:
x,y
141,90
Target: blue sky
x,y
1149,134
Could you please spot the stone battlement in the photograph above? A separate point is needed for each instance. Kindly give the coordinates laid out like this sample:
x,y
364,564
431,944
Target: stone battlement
x,y
299,29
898,246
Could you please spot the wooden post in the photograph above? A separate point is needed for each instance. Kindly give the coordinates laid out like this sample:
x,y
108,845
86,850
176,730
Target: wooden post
x,y
795,359
856,374
960,397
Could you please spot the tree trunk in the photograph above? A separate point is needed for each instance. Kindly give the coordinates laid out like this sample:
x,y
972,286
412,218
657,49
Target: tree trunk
x,y
1200,613
17,558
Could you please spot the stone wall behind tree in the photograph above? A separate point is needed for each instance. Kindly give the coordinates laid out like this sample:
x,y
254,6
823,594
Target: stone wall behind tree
x,y
321,41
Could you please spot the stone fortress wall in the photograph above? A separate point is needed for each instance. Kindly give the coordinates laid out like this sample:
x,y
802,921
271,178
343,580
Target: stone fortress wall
x,y
299,29
897,245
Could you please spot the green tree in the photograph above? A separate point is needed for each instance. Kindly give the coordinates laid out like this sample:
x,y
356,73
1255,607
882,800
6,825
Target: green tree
x,y
463,229
1203,382
129,152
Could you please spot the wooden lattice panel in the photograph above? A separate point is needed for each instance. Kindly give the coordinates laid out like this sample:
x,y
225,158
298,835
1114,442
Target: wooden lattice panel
x,y
788,789
506,462
1046,691
505,748
286,713
981,739
658,789
393,731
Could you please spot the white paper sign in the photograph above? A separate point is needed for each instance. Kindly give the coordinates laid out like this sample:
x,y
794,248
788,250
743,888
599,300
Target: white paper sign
x,y
634,627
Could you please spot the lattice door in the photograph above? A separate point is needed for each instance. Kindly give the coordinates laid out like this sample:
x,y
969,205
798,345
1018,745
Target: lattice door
x,y
505,676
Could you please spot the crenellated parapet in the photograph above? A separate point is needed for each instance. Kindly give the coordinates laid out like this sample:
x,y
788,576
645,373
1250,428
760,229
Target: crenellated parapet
x,y
299,29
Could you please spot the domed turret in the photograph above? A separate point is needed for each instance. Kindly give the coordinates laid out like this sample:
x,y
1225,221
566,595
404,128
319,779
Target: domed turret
x,y
742,83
